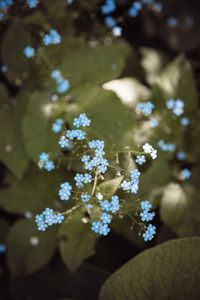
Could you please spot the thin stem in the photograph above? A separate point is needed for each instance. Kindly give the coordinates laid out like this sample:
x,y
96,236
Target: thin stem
x,y
69,211
95,183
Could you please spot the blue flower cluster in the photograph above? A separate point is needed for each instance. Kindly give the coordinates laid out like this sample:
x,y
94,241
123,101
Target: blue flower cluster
x,y
145,107
167,147
29,52
45,163
147,216
82,179
177,106
62,84
186,174
76,134
65,191
2,248
138,5
108,207
47,218
81,121
132,185
140,159
32,3
149,233
98,160
57,125
52,38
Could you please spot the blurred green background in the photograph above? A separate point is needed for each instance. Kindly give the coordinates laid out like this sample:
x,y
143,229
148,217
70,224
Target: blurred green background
x,y
108,75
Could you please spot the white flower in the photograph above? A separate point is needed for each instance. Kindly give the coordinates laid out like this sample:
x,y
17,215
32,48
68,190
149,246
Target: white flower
x,y
147,148
99,196
150,150
154,154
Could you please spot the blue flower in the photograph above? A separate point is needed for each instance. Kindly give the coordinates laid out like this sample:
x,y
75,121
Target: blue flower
x,y
109,21
82,179
146,205
101,228
65,191
108,7
140,159
186,173
106,218
29,52
132,185
49,165
2,248
64,143
47,218
145,107
44,157
177,106
172,22
181,155
51,38
76,133
149,233
147,216
153,122
167,147
185,121
63,86
82,121
32,3
85,197
57,125
105,205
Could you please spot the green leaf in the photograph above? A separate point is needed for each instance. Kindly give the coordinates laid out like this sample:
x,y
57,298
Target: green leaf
x,y
109,187
12,51
111,120
179,210
168,271
100,62
38,190
36,126
27,249
129,90
155,178
177,81
153,62
12,151
76,242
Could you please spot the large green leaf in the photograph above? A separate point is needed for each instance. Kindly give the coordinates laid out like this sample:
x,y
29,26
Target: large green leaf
x,y
27,249
38,190
12,151
86,64
36,125
168,271
76,241
12,50
180,207
177,81
111,120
